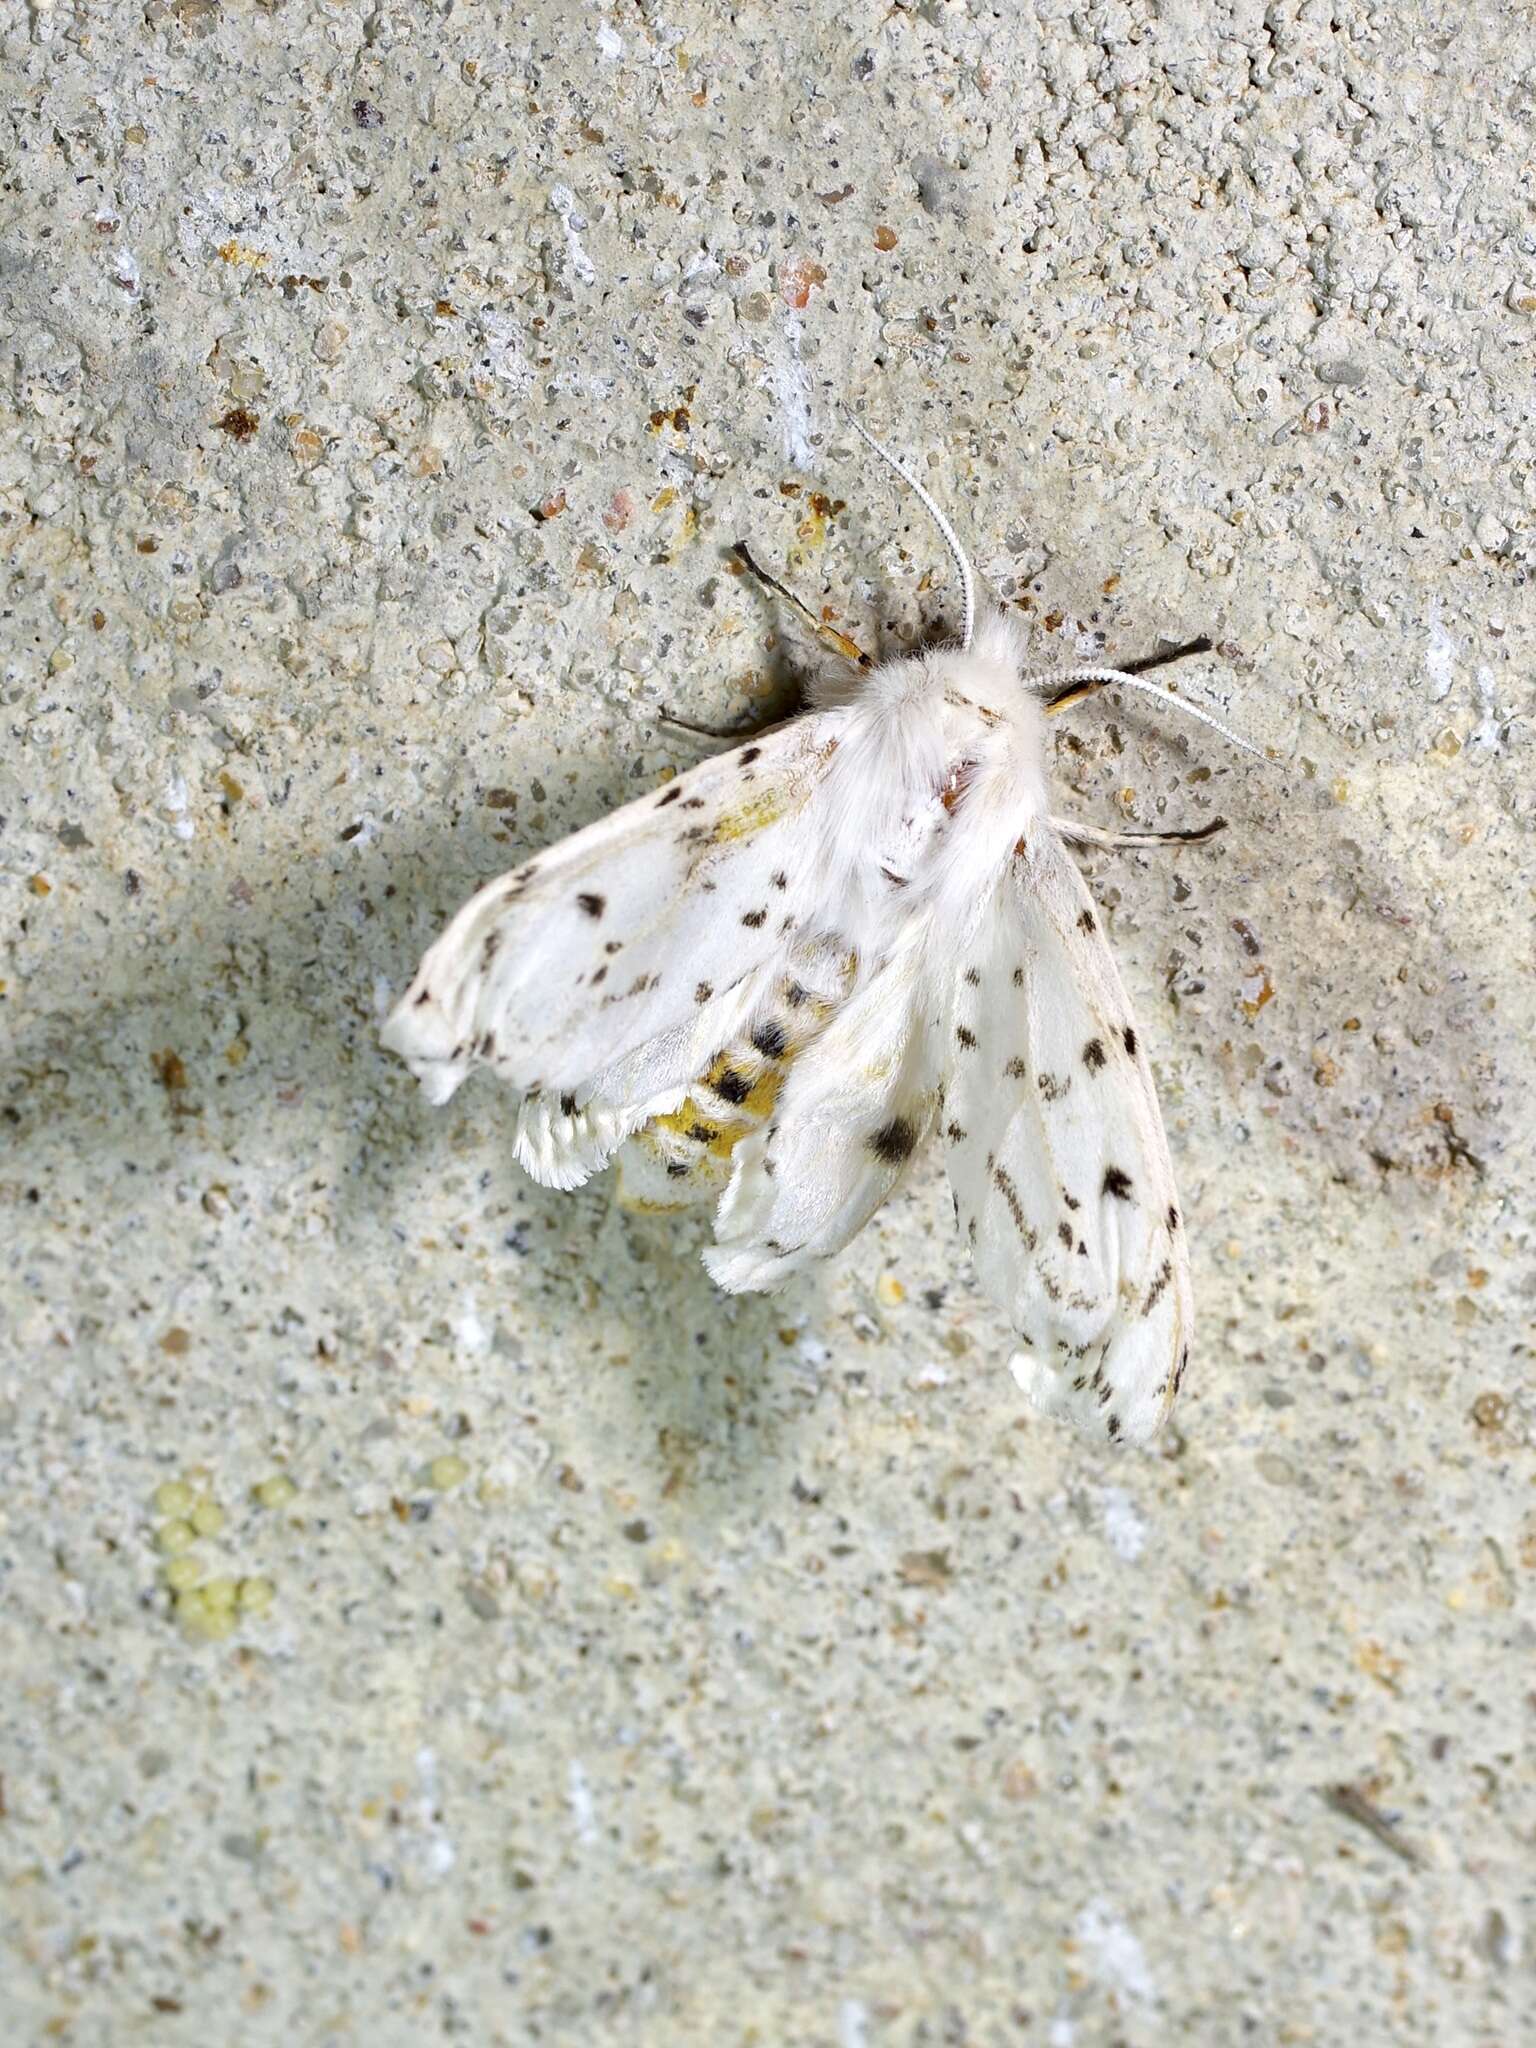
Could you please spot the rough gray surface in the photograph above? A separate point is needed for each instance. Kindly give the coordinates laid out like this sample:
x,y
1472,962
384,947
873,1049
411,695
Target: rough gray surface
x,y
382,385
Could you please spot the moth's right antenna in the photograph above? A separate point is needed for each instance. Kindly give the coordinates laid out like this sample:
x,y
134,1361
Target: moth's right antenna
x,y
951,538
1084,681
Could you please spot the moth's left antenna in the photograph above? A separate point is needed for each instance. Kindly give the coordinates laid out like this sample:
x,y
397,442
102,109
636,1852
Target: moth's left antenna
x,y
951,538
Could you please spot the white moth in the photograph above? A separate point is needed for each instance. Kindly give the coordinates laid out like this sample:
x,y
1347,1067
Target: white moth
x,y
773,979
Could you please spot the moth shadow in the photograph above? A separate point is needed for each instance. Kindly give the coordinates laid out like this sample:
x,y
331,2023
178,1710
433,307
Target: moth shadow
x,y
711,1381
244,1041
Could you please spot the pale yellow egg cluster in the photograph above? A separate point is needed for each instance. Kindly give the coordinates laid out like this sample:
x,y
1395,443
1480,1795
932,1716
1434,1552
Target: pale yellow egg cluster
x,y
209,1608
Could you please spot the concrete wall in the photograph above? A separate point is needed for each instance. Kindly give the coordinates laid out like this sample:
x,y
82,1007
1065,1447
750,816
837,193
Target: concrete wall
x,y
382,387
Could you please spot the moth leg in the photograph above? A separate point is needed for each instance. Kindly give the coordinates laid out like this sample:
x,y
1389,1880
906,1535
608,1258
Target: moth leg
x,y
841,645
838,642
1078,691
1076,833
751,730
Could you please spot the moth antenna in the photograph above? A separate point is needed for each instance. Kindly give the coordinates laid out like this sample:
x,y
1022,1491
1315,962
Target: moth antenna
x,y
1122,679
951,538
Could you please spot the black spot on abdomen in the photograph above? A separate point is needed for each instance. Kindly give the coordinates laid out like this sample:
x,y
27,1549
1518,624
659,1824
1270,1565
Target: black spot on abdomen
x,y
594,906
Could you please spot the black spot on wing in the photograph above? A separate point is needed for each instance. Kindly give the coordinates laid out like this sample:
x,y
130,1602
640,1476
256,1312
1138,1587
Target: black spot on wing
x,y
795,995
753,918
1172,1218
1018,977
567,1105
703,992
1156,1290
972,977
1129,1036
1117,1183
1094,1055
1064,1232
748,755
1113,1425
669,796
599,976
954,1133
894,1141
1016,1070
1010,1195
780,879
1052,1087
593,905
1087,922
488,950
966,1037
488,1045
424,997
769,1040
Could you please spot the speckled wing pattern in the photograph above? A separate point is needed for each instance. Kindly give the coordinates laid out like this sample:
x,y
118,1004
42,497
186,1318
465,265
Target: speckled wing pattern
x,y
1058,1160
602,977
854,1109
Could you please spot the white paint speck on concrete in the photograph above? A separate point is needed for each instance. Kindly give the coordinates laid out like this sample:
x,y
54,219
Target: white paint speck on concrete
x,y
1439,656
563,200
583,1807
1123,1525
1114,1954
789,382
